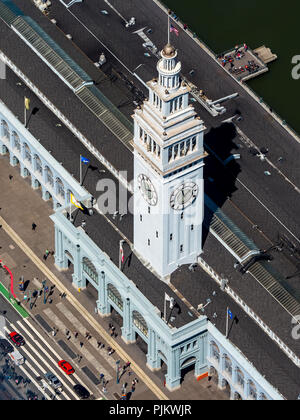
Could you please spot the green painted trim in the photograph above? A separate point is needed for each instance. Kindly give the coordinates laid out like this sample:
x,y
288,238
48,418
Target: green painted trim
x,y
13,302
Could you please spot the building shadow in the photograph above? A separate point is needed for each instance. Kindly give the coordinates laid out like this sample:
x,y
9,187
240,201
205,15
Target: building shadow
x,y
221,168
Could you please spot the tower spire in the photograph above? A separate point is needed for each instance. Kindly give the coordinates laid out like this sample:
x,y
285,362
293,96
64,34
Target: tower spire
x,y
168,29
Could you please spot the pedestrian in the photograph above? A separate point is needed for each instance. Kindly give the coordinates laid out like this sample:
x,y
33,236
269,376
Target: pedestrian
x,y
75,334
128,364
129,372
111,333
81,344
67,332
69,337
103,346
101,378
110,326
87,334
104,389
132,389
98,344
10,177
33,226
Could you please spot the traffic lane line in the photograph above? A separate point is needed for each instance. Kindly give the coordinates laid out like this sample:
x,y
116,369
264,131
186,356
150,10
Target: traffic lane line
x,y
57,355
79,307
30,358
45,362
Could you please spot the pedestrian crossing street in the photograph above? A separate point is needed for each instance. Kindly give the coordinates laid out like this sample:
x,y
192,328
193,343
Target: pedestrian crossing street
x,y
41,358
92,356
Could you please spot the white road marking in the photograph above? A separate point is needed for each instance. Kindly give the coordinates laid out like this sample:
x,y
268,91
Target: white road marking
x,y
57,355
55,363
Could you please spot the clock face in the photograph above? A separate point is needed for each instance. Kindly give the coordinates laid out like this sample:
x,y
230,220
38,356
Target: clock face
x,y
184,195
147,189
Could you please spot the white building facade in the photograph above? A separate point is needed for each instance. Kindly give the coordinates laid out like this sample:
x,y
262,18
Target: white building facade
x,y
168,172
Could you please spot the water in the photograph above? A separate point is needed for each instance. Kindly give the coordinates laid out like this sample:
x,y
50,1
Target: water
x,y
274,23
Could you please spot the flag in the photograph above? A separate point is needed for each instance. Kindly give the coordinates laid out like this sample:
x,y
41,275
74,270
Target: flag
x,y
122,252
173,29
169,299
85,160
75,202
27,103
230,314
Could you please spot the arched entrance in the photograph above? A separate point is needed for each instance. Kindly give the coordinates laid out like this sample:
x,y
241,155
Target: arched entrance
x,y
187,368
163,362
213,374
237,397
226,387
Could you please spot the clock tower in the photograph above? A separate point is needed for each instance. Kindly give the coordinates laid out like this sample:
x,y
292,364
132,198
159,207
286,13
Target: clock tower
x,y
168,172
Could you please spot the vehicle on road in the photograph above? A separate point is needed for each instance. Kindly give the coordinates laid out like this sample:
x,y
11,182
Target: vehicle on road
x,y
5,346
53,381
17,358
66,367
81,391
17,339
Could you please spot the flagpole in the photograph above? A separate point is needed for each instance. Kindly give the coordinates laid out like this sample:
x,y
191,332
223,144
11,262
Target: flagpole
x,y
227,322
80,171
168,29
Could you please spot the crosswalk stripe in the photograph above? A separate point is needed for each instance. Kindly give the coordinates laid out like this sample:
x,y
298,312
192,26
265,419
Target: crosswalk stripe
x,y
34,382
31,357
76,343
69,315
44,361
52,350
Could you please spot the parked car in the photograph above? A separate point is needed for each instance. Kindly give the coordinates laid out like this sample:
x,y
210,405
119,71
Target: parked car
x,y
81,391
5,346
53,381
17,339
66,367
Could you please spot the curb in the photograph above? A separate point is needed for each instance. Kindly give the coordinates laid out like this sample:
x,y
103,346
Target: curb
x,y
14,303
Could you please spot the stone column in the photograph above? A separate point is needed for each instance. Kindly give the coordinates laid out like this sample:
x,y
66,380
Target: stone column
x,y
173,377
153,361
78,281
128,334
102,302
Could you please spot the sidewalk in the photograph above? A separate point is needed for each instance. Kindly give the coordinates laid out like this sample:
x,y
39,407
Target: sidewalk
x,y
20,207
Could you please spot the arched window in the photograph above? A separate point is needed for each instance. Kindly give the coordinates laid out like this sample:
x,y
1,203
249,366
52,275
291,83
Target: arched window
x,y
60,188
252,390
240,378
140,323
49,176
115,296
5,129
39,165
89,268
27,152
16,141
215,352
227,365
